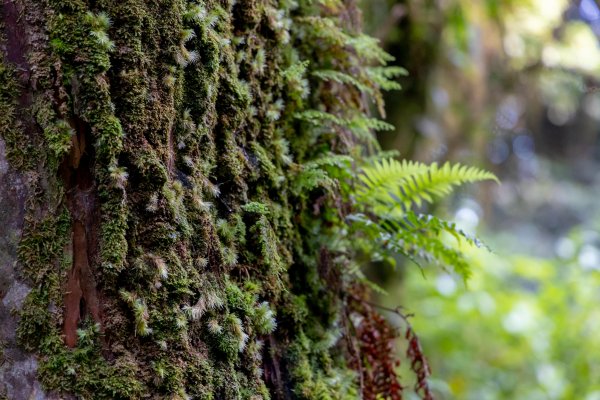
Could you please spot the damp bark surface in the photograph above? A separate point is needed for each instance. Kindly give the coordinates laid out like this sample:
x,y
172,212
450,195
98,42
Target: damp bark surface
x,y
81,295
161,223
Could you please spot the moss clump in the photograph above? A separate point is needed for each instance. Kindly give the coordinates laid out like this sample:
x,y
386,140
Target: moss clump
x,y
41,248
59,137
20,150
84,371
212,199
36,320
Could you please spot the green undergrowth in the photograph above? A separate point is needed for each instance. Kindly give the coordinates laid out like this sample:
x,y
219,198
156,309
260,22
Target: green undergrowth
x,y
227,138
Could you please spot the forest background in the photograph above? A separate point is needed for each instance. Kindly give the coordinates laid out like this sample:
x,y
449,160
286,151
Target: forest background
x,y
512,86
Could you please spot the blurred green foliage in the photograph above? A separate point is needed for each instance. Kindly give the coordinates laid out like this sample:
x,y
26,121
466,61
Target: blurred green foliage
x,y
512,85
523,327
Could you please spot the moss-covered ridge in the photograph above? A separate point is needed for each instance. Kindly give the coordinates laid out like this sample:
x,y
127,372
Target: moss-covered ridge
x,y
208,128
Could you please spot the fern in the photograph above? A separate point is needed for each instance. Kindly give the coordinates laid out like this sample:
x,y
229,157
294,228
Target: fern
x,y
365,47
388,189
428,247
295,71
366,123
420,236
311,178
384,76
369,50
320,173
414,223
331,160
343,78
393,184
317,117
361,126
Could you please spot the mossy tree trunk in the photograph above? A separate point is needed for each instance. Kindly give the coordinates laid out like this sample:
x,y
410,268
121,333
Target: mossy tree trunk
x,y
156,240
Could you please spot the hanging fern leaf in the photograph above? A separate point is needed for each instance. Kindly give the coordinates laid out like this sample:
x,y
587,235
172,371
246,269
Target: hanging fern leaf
x,y
343,78
366,123
384,76
396,186
423,243
419,235
317,117
386,192
331,160
386,175
316,173
420,238
369,50
417,223
430,248
361,127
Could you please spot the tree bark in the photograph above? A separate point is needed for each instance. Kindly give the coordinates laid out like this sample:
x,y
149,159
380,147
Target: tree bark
x,y
152,240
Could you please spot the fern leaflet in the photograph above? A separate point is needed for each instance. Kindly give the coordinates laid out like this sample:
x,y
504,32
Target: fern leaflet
x,y
391,183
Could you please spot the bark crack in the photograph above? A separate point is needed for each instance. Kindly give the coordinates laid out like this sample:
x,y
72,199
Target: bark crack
x,y
81,295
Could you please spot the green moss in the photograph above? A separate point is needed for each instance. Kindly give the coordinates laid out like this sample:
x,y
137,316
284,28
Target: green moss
x,y
239,300
167,376
268,246
36,321
84,371
256,208
113,241
268,169
263,319
59,137
205,234
20,151
41,246
109,136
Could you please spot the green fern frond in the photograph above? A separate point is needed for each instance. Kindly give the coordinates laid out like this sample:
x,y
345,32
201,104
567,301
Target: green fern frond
x,y
321,172
310,179
363,122
431,249
324,28
384,76
317,117
391,183
369,49
418,223
360,126
385,175
388,72
419,238
343,78
295,71
330,160
386,192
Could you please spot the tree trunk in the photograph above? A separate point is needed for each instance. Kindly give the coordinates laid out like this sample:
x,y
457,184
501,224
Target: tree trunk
x,y
154,239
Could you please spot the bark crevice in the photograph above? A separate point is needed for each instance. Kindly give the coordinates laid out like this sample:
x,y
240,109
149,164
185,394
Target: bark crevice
x,y
81,295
